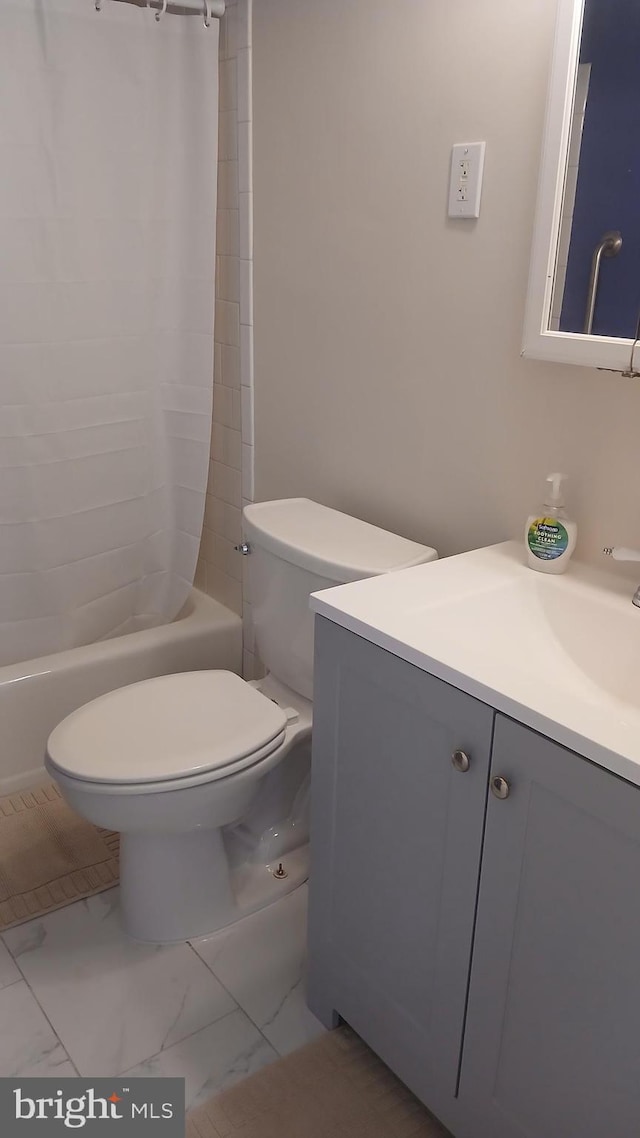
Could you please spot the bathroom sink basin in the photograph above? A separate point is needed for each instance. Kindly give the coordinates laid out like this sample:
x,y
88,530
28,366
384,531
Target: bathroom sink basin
x,y
581,638
566,633
559,653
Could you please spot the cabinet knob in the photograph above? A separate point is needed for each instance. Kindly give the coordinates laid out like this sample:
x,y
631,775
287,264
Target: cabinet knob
x,y
500,787
460,761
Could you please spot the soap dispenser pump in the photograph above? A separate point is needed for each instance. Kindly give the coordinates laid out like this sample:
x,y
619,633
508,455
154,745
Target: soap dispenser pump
x,y
550,537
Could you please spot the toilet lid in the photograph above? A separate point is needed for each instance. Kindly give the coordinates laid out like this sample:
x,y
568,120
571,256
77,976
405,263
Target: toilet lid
x,y
166,728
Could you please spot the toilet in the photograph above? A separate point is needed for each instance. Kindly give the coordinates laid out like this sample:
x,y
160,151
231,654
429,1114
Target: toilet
x,y
205,775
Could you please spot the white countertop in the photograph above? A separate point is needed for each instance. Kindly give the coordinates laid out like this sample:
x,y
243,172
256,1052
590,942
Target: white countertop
x,y
560,654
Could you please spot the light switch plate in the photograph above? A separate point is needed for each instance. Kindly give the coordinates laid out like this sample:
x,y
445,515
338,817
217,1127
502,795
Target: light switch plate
x,y
465,187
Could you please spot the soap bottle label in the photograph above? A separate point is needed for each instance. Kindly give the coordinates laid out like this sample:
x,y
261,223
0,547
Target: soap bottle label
x,y
547,538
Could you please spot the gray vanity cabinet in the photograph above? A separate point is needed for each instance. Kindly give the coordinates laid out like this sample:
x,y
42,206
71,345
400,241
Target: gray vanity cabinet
x,y
552,1039
396,844
479,929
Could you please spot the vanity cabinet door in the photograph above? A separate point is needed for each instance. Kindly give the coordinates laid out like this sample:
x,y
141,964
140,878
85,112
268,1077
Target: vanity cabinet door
x,y
552,1042
396,841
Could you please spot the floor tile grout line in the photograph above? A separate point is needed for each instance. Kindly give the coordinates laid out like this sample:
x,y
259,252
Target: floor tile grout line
x,y
243,1009
155,1054
259,1028
236,1008
205,1027
20,980
5,943
178,1042
240,1007
236,1001
23,980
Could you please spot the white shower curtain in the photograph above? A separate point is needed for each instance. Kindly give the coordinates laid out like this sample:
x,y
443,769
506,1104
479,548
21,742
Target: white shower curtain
x,y
108,155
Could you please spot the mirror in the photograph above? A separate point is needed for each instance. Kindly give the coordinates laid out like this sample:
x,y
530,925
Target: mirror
x,y
584,294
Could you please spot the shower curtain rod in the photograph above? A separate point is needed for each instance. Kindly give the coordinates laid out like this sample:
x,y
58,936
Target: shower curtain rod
x,y
183,7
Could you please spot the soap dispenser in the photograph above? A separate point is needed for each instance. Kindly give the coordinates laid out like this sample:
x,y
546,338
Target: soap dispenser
x,y
550,536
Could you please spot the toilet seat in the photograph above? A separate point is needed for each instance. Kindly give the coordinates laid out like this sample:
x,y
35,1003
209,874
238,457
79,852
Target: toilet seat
x,y
182,729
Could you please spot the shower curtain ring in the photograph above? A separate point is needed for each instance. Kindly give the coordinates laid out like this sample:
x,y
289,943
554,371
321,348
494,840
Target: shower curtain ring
x,y
162,10
207,13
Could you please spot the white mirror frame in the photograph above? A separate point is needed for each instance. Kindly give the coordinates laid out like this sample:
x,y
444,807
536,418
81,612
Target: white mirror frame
x,y
539,342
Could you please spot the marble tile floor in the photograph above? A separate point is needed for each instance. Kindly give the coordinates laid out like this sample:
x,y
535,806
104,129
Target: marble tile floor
x,y
76,996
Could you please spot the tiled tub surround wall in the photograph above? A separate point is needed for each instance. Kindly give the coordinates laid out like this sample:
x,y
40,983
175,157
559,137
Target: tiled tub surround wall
x,y
220,568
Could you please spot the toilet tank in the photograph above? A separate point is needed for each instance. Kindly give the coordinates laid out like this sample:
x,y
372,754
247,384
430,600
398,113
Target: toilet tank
x,y
297,548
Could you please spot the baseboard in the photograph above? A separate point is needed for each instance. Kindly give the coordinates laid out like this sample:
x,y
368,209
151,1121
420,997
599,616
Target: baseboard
x,y
16,782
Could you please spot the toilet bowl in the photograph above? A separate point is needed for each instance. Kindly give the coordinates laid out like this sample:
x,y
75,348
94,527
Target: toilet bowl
x,y
205,775
169,762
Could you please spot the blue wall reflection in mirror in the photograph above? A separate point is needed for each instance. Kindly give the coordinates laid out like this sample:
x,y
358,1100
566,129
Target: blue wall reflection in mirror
x,y
607,194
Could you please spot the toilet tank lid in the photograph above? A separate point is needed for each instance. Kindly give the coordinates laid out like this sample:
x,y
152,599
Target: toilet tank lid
x,y
327,542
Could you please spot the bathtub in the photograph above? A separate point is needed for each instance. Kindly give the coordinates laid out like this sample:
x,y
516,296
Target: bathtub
x,y
36,694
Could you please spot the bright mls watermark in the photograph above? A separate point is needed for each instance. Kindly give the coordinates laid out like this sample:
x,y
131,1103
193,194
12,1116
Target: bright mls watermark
x,y
137,1108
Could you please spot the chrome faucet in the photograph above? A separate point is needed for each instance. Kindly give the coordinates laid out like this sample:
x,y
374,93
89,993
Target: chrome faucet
x,y
620,553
